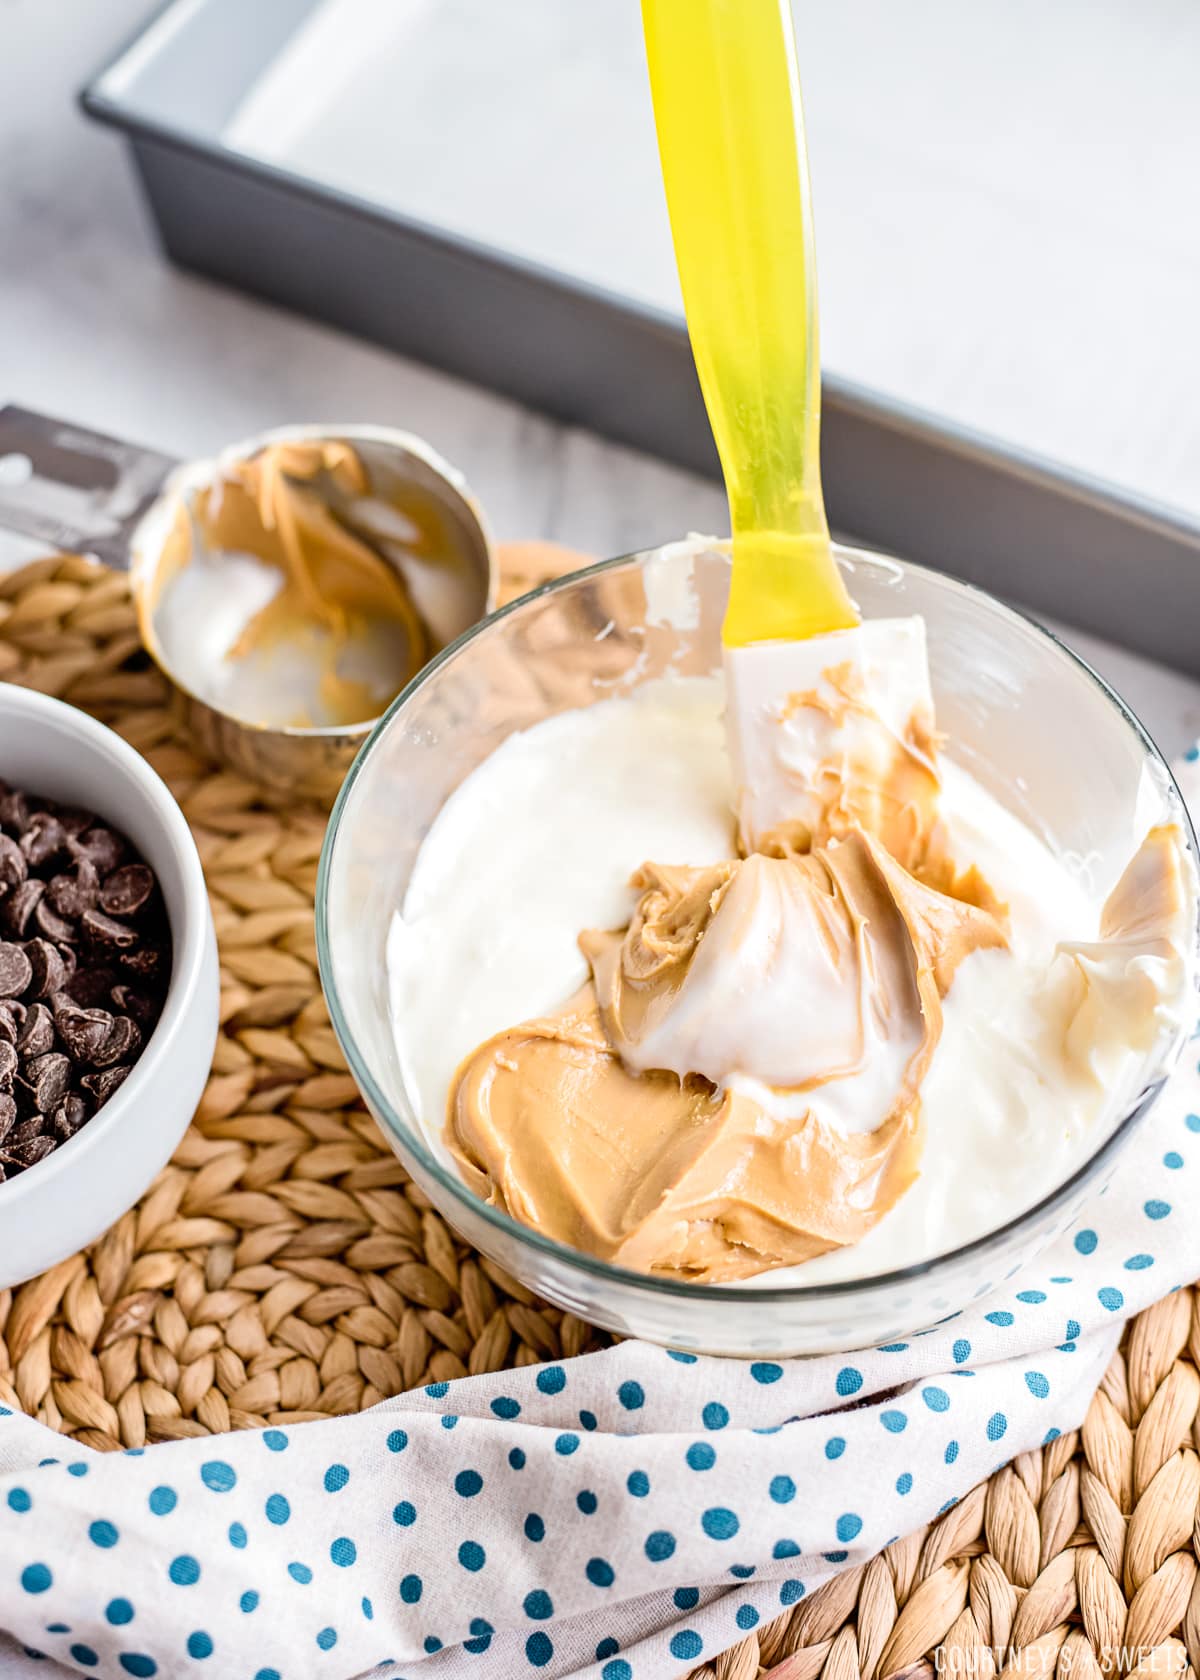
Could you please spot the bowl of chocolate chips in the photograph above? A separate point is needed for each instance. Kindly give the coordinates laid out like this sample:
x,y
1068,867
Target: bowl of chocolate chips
x,y
108,979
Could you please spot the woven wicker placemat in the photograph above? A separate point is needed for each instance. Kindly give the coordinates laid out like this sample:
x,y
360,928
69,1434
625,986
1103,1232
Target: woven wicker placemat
x,y
282,1267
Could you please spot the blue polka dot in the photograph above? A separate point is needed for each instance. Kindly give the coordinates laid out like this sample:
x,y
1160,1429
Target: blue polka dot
x,y
632,1396
336,1478
103,1534
1037,1385
184,1570
368,1609
472,1556
138,1664
894,1422
505,1407
782,1490
765,1371
835,1447
327,1638
199,1645
681,1358
686,1645
1193,1122
449,1420
1110,1298
278,1510
538,1606
1156,1210
517,1459
77,1469
951,1452
586,1501
1085,1242
1031,1297
791,1592
600,1572
535,1528
552,1380
397,1440
411,1588
996,1426
300,1573
274,1440
404,1514
19,1500
84,1656
1192,754
849,1526
1050,1435
742,1571
437,1390
468,1483
118,1611
267,1674
849,1381
589,1420
237,1536
785,1549
343,1552
659,1546
57,1627
1003,1319
1139,1262
538,1649
700,1456
566,1443
904,1483
638,1484
1073,1330
719,1523
162,1500
747,1617
1173,1159
618,1670
218,1476
431,1644
686,1598
483,1636
714,1415
248,1602
894,1347
961,1351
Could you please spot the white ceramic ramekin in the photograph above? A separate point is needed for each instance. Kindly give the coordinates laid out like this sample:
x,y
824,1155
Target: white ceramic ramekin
x,y
64,1202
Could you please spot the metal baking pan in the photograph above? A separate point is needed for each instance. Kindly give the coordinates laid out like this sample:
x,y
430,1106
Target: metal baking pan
x,y
1058,543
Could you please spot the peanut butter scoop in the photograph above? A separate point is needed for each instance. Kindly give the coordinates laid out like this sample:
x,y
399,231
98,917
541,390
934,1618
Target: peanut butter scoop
x,y
628,1125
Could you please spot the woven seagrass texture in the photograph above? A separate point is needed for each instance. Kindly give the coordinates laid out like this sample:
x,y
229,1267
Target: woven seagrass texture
x,y
282,1267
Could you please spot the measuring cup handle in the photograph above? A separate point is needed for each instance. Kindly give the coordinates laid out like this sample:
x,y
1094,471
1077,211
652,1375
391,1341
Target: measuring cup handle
x,y
74,489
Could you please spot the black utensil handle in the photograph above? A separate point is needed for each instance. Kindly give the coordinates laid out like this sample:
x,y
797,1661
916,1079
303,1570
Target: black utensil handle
x,y
72,488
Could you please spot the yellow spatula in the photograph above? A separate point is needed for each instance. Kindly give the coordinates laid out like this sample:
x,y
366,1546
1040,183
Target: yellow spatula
x,y
731,138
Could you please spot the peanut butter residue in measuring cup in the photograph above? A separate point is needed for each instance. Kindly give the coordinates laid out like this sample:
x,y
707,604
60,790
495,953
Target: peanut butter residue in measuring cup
x,y
270,602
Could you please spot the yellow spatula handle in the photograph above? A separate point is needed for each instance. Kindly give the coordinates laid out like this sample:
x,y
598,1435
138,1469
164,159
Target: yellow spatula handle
x,y
730,135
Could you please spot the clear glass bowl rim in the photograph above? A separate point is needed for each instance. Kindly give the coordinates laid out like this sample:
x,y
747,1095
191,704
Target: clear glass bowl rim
x,y
575,1259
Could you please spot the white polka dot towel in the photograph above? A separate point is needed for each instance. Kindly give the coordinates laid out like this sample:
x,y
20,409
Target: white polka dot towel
x,y
620,1517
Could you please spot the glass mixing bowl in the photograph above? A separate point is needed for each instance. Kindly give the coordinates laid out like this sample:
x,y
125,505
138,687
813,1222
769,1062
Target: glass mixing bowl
x,y
1026,717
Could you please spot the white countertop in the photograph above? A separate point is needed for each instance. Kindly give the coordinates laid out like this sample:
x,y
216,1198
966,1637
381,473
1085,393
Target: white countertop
x,y
94,325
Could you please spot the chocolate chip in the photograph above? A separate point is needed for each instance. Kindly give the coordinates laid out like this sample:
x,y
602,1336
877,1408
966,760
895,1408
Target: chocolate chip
x,y
24,1133
13,868
104,848
90,988
75,890
36,1035
19,906
8,1114
123,1041
47,1079
102,1085
132,1001
14,811
15,972
43,839
84,1032
106,932
148,962
52,925
50,967
8,1064
12,1013
127,890
69,1116
29,1154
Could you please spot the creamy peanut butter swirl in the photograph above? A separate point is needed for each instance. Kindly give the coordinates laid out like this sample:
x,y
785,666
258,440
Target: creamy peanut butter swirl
x,y
621,1124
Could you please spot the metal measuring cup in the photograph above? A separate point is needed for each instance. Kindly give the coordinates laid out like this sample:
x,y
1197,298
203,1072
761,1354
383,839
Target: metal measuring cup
x,y
87,493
